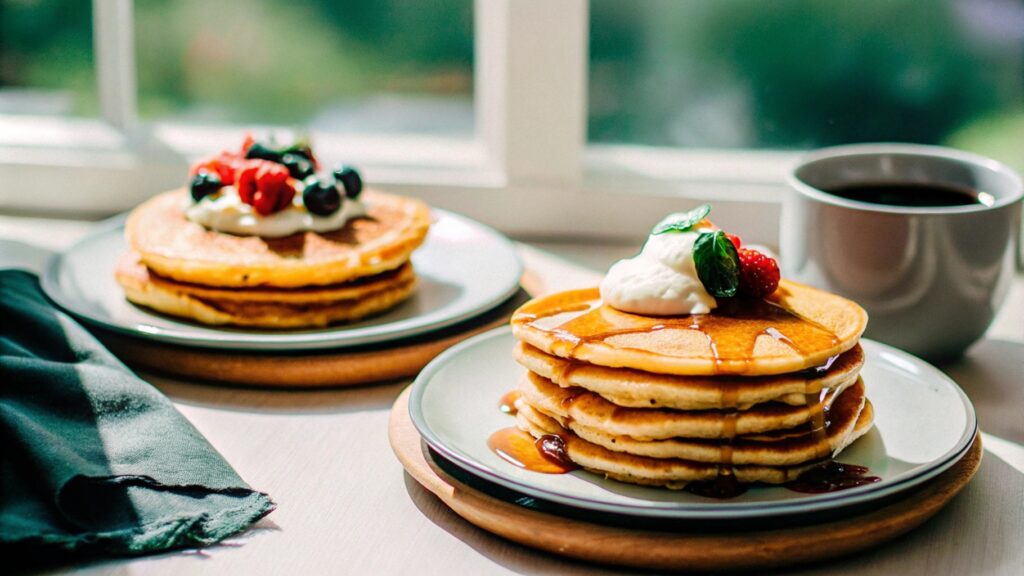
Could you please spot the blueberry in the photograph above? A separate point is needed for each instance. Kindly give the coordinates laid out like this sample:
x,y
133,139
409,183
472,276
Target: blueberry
x,y
203,184
261,152
298,166
349,178
300,149
321,198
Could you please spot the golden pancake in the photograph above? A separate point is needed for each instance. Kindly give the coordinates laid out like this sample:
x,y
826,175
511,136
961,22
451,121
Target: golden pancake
x,y
181,250
636,389
778,448
589,410
796,328
671,472
265,307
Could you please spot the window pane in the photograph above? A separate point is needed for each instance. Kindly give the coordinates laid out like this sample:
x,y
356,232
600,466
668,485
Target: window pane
x,y
344,65
46,59
809,73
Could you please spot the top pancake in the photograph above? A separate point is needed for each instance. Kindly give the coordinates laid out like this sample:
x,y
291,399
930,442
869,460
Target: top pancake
x,y
179,249
796,328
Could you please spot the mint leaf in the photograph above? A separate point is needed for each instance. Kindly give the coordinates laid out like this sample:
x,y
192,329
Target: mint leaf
x,y
718,264
683,221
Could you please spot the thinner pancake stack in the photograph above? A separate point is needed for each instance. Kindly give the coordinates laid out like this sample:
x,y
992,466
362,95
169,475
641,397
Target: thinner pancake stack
x,y
306,279
756,391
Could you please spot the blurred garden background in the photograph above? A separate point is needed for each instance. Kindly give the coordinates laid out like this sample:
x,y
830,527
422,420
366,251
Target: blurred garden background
x,y
785,74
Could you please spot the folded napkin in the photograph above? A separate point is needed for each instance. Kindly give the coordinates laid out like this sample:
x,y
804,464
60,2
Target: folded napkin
x,y
92,458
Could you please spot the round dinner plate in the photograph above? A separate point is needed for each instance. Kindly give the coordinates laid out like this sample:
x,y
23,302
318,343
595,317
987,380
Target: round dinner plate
x,y
464,269
923,424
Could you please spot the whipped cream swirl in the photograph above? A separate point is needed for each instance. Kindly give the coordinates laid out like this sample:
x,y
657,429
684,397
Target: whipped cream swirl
x,y
659,281
225,212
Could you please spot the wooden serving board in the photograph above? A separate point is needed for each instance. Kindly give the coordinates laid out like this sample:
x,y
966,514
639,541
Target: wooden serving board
x,y
345,367
673,549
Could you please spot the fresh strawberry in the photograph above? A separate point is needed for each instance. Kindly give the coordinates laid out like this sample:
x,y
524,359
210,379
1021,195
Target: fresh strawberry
x,y
759,274
264,185
734,239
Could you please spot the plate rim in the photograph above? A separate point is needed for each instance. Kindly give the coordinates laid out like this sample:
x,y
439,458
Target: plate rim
x,y
693,511
282,341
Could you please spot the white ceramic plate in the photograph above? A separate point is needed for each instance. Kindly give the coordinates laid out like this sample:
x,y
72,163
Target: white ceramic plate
x,y
923,424
464,269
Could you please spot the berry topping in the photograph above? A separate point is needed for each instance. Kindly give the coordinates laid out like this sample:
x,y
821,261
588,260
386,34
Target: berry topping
x,y
224,165
264,185
298,166
759,274
321,198
349,178
204,183
734,239
302,148
257,151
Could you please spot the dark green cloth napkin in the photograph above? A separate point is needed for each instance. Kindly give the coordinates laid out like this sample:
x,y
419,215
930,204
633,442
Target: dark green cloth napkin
x,y
92,458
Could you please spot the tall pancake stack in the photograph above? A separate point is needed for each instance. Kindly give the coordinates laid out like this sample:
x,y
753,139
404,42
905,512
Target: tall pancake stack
x,y
307,279
756,391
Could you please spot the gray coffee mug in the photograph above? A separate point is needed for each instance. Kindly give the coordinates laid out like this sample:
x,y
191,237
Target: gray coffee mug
x,y
931,278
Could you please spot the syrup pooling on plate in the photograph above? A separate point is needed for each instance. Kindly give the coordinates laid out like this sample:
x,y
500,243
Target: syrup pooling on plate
x,y
832,476
731,331
507,404
546,454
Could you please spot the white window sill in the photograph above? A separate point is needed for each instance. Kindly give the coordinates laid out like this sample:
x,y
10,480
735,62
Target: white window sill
x,y
85,168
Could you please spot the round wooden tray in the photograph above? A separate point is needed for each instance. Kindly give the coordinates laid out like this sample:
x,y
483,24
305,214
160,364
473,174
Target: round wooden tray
x,y
347,367
674,549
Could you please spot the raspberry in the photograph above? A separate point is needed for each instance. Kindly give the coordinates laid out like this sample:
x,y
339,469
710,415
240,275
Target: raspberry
x,y
264,185
734,239
224,165
759,274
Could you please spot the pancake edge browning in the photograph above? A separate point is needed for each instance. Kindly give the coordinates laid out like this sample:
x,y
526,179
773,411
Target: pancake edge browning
x,y
181,250
636,389
593,412
672,473
761,450
162,295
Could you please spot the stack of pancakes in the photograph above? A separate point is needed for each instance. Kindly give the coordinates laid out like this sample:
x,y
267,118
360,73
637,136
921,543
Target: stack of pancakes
x,y
307,279
756,391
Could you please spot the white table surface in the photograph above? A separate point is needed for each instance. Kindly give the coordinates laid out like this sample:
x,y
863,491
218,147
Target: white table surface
x,y
345,505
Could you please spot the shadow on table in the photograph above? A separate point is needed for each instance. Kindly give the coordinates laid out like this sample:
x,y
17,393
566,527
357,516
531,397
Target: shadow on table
x,y
977,533
369,397
511,555
992,375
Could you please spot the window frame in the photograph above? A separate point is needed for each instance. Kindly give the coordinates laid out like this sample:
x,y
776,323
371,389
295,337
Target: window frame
x,y
528,171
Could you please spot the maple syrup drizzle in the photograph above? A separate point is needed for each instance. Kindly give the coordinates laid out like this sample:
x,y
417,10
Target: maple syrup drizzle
x,y
507,404
731,330
563,371
832,476
546,455
721,488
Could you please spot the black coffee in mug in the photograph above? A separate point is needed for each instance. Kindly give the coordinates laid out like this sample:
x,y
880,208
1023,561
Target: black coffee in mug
x,y
911,195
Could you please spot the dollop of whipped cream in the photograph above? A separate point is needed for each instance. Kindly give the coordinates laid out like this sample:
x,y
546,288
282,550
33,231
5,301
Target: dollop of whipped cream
x,y
225,212
659,281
